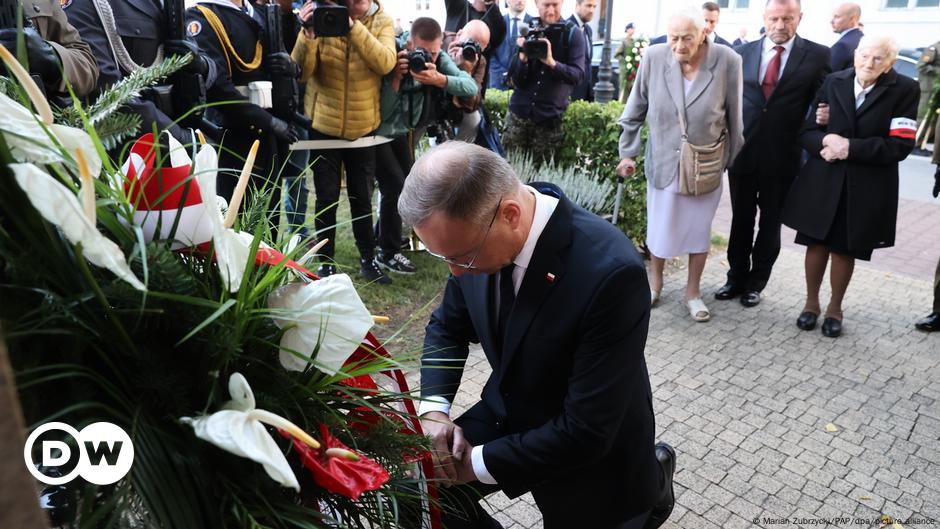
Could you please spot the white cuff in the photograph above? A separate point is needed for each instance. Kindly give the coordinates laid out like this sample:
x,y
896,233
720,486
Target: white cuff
x,y
434,403
479,467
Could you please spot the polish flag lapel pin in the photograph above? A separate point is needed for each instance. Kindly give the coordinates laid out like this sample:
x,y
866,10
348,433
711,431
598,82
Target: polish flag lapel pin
x,y
550,277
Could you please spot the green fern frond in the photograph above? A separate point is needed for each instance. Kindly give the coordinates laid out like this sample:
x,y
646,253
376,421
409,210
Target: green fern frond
x,y
117,127
116,96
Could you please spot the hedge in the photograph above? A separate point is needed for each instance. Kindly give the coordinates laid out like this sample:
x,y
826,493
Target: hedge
x,y
591,137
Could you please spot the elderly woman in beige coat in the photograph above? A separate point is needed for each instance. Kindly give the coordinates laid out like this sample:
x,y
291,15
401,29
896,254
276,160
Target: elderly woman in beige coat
x,y
703,82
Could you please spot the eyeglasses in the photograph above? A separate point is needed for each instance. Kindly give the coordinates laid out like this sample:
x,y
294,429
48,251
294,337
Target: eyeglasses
x,y
476,253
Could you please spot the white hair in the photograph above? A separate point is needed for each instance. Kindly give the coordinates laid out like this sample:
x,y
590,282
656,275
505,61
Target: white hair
x,y
883,42
690,13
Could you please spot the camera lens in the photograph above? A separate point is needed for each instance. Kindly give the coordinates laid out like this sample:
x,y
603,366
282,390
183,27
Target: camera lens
x,y
469,53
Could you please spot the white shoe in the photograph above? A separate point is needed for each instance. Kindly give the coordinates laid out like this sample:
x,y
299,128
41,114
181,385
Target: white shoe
x,y
698,310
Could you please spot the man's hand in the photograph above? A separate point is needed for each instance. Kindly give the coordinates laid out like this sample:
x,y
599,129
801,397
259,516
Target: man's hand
x,y
448,447
464,467
283,131
198,65
627,167
430,76
936,181
822,114
549,60
42,57
835,147
281,64
306,12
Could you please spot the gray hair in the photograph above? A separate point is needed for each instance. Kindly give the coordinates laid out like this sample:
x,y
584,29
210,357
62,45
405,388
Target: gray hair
x,y
884,42
782,2
691,13
462,180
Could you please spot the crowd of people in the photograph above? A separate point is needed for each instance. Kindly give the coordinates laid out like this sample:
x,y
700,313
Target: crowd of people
x,y
810,136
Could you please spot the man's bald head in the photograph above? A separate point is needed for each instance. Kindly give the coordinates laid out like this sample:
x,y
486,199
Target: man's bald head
x,y
478,31
845,16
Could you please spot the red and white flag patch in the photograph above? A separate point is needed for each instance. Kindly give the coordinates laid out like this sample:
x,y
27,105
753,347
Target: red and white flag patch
x,y
905,128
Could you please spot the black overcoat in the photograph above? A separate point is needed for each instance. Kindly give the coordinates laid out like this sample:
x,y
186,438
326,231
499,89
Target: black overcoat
x,y
880,135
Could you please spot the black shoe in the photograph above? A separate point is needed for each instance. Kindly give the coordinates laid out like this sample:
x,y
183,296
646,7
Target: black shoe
x,y
326,270
831,327
930,323
750,298
728,291
807,320
397,263
371,272
666,456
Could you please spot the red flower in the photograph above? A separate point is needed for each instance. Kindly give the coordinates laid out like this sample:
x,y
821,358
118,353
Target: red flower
x,y
339,474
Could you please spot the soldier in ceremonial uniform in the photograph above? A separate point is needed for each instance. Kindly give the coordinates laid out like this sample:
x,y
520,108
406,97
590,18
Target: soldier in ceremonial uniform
x,y
230,33
54,48
928,67
126,35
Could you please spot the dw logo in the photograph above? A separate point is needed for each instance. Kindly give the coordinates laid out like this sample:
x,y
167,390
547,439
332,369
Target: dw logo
x,y
105,453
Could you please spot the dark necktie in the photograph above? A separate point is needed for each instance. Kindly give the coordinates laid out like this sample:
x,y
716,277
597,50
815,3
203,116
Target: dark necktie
x,y
772,74
507,296
514,32
589,40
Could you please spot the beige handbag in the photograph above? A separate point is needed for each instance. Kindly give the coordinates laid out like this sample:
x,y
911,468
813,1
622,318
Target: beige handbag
x,y
700,167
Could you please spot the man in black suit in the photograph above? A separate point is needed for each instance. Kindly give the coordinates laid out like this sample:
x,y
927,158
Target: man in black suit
x,y
711,11
845,19
583,14
782,72
557,299
459,12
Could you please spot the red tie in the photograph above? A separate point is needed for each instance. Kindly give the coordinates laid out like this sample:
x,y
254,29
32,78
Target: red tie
x,y
773,72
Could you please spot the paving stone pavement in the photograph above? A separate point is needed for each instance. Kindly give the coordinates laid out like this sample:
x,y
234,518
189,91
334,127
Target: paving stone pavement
x,y
745,400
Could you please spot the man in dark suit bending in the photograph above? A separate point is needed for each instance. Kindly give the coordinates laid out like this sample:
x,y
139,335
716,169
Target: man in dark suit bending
x,y
782,72
559,302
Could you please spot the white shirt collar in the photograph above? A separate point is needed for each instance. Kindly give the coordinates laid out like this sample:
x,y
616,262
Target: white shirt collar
x,y
581,23
858,87
544,208
228,3
787,46
844,32
711,37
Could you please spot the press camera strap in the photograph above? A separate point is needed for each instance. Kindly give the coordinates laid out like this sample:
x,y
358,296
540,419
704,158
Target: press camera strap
x,y
120,53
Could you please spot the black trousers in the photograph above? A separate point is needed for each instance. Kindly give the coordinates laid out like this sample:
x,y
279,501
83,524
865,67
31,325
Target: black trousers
x,y
360,172
561,509
265,175
752,258
936,289
393,162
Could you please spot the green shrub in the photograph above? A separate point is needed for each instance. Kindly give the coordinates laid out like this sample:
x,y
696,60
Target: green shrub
x,y
592,135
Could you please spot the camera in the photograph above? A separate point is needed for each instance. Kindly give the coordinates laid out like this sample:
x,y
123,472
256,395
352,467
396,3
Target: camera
x,y
329,20
533,46
418,59
470,50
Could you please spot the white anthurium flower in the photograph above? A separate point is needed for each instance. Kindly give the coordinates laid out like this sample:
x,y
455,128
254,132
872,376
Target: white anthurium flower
x,y
239,428
232,249
29,142
60,206
327,313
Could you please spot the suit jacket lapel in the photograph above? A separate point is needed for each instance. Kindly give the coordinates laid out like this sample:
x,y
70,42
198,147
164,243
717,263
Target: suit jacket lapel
x,y
845,95
673,75
797,52
704,76
546,259
751,65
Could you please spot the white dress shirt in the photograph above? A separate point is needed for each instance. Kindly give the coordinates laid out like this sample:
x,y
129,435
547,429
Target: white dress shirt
x,y
544,208
768,53
861,93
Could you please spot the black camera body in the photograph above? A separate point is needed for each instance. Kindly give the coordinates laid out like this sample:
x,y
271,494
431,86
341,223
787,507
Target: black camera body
x,y
533,46
418,59
329,20
470,50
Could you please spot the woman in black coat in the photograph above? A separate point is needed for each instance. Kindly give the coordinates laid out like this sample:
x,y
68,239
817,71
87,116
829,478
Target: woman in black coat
x,y
844,202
